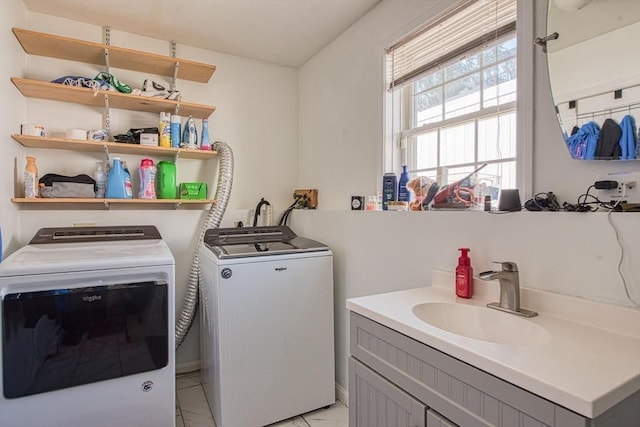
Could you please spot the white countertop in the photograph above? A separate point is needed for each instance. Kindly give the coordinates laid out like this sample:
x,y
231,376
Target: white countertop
x,y
590,362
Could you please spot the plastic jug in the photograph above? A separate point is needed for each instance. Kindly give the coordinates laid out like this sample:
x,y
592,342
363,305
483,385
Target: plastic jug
x,y
166,183
118,182
147,175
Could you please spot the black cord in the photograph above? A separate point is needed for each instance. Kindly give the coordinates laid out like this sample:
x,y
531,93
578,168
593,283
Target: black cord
x,y
256,214
285,215
584,205
586,202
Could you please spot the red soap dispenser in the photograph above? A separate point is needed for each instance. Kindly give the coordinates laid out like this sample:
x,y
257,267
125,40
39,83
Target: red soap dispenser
x,y
464,275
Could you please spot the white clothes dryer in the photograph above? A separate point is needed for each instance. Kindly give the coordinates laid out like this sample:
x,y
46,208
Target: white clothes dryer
x,y
87,320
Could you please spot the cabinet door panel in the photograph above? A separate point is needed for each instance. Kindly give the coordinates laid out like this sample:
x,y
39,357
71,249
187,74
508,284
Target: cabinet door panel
x,y
375,402
436,420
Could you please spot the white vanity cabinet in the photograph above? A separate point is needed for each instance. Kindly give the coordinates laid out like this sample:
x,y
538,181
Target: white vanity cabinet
x,y
395,380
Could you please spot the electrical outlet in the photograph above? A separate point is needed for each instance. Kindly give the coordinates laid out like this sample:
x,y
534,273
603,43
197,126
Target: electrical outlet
x,y
307,198
627,189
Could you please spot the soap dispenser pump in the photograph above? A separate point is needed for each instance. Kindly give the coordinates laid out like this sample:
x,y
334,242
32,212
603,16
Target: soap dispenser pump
x,y
464,275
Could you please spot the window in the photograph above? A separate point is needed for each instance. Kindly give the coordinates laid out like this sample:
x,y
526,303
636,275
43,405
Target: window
x,y
453,87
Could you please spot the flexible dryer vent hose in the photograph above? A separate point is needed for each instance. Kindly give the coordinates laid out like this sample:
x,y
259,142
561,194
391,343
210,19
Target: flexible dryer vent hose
x,y
223,191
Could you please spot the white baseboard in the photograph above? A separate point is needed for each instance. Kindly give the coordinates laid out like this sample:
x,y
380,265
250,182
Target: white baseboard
x,y
187,367
342,395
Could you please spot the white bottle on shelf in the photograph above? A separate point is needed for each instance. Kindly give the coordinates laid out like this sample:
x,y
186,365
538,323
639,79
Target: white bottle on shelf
x,y
101,180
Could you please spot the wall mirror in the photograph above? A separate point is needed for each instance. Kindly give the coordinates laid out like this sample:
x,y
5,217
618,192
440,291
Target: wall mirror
x,y
594,71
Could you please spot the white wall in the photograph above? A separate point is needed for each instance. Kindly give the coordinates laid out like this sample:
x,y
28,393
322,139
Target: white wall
x,y
341,133
256,114
13,107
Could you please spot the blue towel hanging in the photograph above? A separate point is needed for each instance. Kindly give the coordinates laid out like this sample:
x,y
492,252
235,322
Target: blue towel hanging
x,y
628,138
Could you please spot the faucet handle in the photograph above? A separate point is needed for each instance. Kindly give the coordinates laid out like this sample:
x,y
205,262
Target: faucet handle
x,y
507,266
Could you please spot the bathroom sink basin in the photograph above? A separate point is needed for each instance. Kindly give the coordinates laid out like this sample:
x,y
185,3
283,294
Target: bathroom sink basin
x,y
481,323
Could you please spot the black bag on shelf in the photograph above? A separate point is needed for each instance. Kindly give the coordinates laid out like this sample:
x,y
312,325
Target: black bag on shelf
x,y
80,186
133,135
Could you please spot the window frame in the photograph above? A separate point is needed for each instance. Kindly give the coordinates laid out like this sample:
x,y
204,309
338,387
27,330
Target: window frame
x,y
393,142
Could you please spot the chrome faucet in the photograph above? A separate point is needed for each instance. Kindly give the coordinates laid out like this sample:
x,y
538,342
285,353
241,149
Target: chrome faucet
x,y
509,289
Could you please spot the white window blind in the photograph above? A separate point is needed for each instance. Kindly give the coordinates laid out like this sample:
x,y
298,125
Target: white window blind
x,y
448,37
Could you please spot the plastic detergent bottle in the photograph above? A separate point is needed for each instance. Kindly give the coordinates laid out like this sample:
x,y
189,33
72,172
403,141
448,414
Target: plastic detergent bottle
x,y
147,174
101,180
205,143
404,195
31,178
118,182
165,130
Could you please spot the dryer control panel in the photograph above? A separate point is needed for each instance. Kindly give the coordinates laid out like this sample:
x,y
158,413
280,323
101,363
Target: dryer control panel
x,y
95,234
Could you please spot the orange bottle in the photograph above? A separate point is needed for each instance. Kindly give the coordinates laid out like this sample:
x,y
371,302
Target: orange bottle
x,y
31,178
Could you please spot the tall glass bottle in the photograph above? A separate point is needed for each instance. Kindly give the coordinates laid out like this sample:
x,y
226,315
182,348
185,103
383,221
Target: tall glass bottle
x,y
205,143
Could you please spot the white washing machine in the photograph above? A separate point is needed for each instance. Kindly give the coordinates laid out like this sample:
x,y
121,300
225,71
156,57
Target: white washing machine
x,y
87,319
267,347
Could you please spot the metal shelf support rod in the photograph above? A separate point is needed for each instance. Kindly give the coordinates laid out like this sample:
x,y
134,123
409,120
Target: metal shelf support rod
x,y
106,153
106,38
172,52
107,114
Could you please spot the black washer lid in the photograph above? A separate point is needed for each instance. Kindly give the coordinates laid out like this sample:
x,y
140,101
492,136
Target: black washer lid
x,y
248,235
258,241
95,234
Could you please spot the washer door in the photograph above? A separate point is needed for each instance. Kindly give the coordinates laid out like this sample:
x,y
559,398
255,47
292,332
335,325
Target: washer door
x,y
67,337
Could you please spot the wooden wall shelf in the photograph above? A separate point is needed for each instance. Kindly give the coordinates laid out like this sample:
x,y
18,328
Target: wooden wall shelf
x,y
85,96
108,202
53,46
112,147
35,43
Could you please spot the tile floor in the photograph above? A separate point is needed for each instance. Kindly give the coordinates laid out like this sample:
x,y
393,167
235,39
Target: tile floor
x,y
192,409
